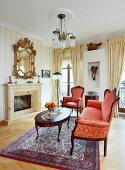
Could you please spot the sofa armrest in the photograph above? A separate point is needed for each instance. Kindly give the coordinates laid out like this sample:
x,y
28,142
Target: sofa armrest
x,y
90,122
80,99
94,103
93,129
80,102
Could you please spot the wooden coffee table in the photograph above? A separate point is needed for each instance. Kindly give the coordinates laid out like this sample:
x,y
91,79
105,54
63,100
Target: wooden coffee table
x,y
57,121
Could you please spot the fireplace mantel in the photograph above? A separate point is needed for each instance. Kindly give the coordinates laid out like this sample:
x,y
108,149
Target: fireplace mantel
x,y
12,90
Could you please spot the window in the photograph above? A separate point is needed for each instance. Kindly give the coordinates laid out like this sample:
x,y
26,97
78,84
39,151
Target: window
x,y
67,80
122,92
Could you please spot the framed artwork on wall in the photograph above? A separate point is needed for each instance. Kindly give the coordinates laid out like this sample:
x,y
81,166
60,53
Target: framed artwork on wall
x,y
45,73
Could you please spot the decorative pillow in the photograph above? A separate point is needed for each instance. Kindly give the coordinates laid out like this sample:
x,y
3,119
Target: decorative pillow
x,y
94,103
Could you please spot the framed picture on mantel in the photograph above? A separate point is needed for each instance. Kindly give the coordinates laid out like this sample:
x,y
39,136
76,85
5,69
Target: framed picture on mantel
x,y
45,73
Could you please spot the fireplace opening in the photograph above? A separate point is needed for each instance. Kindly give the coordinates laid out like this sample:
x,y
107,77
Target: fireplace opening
x,y
22,102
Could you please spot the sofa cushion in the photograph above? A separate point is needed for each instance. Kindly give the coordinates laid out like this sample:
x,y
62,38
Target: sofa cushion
x,y
70,104
94,103
91,113
106,106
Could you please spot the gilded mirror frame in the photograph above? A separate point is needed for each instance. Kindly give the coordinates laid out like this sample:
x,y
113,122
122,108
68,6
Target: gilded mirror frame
x,y
24,56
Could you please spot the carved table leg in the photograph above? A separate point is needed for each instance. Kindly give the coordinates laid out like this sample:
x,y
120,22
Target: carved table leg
x,y
68,122
72,145
37,130
59,130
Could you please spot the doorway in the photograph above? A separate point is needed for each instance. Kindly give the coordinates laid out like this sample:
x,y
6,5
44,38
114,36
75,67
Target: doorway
x,y
67,81
121,107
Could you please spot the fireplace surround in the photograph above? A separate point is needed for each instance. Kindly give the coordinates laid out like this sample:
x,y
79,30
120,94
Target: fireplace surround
x,y
13,91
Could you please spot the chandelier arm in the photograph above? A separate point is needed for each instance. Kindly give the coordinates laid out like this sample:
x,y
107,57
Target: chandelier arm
x,y
61,36
64,26
61,26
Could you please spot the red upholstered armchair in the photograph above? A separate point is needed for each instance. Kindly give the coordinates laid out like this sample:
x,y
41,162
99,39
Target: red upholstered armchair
x,y
76,100
95,119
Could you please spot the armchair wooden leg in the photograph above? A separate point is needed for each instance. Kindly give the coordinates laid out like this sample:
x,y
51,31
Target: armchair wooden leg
x,y
77,112
105,146
81,109
72,144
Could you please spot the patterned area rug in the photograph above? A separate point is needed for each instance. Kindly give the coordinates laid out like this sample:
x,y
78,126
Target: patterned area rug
x,y
48,152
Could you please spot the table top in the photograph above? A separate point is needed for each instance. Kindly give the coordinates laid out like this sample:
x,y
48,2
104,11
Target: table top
x,y
64,116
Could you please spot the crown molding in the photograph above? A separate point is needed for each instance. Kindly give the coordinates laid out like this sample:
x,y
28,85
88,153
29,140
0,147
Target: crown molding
x,y
21,31
103,37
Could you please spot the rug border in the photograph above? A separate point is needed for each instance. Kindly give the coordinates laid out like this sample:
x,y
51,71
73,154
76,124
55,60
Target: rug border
x,y
43,164
38,163
28,161
14,140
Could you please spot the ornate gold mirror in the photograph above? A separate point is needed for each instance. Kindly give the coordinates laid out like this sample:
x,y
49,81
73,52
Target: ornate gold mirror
x,y
24,59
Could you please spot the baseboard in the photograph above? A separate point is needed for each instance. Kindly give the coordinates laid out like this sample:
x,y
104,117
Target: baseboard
x,y
122,115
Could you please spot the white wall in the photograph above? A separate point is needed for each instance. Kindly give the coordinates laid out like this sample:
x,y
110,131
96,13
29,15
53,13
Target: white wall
x,y
43,60
96,57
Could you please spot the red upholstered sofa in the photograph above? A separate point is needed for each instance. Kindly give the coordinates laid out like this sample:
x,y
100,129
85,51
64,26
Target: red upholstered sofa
x,y
95,119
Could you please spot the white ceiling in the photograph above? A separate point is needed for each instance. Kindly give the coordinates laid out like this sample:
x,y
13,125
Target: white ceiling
x,y
92,19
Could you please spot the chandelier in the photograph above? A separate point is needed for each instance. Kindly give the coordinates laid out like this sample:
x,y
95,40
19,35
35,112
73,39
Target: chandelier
x,y
61,37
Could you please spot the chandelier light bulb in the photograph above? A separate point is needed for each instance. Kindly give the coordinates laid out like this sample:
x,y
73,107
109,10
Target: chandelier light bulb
x,y
72,41
56,34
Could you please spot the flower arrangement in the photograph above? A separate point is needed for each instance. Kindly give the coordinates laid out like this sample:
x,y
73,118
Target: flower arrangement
x,y
50,105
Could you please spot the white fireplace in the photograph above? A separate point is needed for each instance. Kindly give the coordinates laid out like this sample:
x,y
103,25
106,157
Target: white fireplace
x,y
17,93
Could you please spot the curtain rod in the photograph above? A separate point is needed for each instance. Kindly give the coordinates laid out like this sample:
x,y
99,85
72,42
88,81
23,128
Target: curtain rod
x,y
70,47
82,44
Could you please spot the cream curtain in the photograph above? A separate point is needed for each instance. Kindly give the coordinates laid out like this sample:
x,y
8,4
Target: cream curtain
x,y
77,64
58,61
116,60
